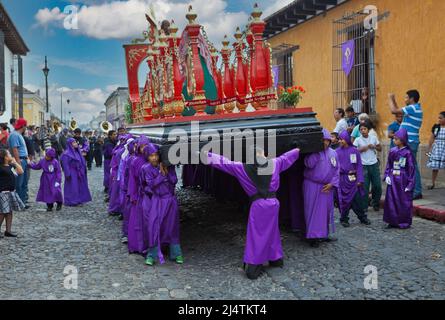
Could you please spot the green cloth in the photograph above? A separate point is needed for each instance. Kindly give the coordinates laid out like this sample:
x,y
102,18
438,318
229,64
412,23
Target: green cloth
x,y
209,87
356,132
372,178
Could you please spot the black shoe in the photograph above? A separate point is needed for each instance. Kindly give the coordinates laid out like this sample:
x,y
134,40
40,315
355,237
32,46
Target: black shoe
x,y
376,208
390,227
365,221
27,207
330,239
59,207
253,271
120,217
10,235
418,197
345,224
49,209
277,263
314,243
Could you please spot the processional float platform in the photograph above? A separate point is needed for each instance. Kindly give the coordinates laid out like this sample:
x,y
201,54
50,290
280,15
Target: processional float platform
x,y
291,127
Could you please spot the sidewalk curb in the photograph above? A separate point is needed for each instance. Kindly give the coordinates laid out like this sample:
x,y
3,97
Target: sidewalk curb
x,y
429,213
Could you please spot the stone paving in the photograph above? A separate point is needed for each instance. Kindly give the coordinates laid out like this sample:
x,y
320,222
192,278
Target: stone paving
x,y
410,263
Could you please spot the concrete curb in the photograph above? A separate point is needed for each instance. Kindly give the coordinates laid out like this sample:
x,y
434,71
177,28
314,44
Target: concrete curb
x,y
430,213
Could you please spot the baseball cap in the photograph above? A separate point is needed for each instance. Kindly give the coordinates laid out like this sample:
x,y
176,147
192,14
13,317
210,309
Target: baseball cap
x,y
20,123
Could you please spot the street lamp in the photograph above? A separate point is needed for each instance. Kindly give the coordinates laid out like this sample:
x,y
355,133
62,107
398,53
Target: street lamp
x,y
46,72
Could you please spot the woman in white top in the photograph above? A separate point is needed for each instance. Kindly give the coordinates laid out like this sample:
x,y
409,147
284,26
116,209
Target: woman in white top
x,y
369,145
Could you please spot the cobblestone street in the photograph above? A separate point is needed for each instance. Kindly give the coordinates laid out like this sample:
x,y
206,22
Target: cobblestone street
x,y
410,263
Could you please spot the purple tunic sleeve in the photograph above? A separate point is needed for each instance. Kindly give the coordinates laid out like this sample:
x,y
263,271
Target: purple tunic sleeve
x,y
287,160
58,171
35,166
311,160
389,165
66,167
411,171
336,178
221,163
172,177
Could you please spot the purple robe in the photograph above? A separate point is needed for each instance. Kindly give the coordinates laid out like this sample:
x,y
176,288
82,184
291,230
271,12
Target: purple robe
x,y
263,241
398,210
136,243
125,201
321,168
76,182
162,219
108,153
351,174
52,174
114,206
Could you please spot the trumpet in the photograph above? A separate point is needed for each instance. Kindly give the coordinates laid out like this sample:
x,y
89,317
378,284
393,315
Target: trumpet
x,y
105,126
73,125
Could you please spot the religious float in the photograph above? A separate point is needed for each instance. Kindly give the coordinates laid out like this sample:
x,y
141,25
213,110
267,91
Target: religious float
x,y
190,92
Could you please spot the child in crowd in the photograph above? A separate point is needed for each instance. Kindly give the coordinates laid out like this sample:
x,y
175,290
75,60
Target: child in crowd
x,y
351,181
437,149
400,177
50,190
368,145
162,222
9,199
334,140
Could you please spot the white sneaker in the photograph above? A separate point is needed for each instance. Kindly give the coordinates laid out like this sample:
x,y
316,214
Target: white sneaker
x,y
124,240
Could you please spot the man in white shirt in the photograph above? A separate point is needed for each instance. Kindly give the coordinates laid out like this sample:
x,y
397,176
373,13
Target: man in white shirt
x,y
342,124
369,145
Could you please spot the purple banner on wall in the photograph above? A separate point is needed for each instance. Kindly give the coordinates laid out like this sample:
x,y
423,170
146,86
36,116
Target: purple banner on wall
x,y
276,74
347,51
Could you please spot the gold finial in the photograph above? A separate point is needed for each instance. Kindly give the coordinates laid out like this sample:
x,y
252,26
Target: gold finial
x,y
191,15
238,35
226,42
257,13
173,28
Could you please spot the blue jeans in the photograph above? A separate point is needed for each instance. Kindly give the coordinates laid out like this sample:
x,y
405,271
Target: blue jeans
x,y
414,146
21,182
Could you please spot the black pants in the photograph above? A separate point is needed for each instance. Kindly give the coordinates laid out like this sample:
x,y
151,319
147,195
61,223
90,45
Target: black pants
x,y
98,159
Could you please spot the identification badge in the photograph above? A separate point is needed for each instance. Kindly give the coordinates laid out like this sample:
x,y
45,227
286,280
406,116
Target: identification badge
x,y
396,165
334,161
51,168
352,177
353,158
402,162
396,172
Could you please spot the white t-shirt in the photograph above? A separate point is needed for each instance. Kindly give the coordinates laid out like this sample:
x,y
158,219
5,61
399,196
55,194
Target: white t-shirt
x,y
369,157
342,125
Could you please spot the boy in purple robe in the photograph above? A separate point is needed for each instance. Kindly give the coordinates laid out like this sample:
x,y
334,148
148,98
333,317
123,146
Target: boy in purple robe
x,y
109,145
76,182
400,177
114,205
124,173
162,222
50,190
136,243
321,176
350,188
260,181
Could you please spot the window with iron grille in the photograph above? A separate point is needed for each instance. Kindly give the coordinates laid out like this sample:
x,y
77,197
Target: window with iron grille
x,y
282,56
357,89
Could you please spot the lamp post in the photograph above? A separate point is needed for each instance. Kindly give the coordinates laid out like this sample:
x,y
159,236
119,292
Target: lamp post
x,y
46,72
68,103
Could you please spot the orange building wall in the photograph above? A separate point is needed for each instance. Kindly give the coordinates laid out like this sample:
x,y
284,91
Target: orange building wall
x,y
409,49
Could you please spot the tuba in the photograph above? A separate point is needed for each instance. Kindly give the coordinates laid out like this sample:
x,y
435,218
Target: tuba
x,y
105,126
57,127
73,125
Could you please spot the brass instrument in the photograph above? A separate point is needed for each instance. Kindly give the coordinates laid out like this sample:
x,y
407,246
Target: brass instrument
x,y
105,126
57,127
73,125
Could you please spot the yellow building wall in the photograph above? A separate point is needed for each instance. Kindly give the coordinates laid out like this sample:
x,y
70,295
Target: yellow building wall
x,y
409,51
31,112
